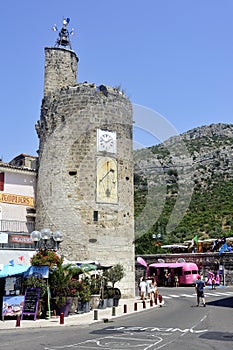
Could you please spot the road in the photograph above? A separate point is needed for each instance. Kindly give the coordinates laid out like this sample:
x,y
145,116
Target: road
x,y
178,325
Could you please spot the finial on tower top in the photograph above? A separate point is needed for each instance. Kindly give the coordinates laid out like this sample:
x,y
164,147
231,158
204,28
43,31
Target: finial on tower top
x,y
64,35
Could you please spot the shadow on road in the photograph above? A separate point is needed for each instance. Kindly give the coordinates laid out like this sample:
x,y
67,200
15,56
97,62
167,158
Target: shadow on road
x,y
226,302
224,336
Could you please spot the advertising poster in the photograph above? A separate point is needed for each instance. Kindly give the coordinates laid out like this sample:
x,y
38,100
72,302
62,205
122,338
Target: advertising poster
x,y
12,305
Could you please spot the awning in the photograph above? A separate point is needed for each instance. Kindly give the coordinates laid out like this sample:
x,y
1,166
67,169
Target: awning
x,y
9,270
37,271
168,265
87,267
93,267
174,246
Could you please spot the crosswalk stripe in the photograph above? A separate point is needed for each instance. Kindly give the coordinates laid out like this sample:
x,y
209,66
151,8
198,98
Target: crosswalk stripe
x,y
207,294
212,295
224,294
188,295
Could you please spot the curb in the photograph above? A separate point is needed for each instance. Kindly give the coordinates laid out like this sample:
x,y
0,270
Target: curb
x,y
126,307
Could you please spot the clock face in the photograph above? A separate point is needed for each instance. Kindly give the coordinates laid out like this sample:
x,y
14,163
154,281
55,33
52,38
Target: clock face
x,y
106,141
106,188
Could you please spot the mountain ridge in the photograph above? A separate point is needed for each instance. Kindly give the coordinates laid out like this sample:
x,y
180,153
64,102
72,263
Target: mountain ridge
x,y
184,187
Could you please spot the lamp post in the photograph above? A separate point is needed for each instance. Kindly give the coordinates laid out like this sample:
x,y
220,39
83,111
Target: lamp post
x,y
46,239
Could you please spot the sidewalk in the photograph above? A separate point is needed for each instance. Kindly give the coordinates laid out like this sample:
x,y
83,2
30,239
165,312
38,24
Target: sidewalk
x,y
126,306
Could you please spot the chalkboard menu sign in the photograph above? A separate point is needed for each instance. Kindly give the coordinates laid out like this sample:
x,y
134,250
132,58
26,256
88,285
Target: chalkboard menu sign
x,y
31,301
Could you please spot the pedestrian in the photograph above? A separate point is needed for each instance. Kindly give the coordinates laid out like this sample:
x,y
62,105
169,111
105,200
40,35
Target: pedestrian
x,y
149,281
176,280
200,285
217,279
165,278
213,282
143,289
153,294
139,288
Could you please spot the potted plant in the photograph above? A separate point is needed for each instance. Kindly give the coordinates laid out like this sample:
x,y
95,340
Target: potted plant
x,y
84,296
95,289
110,293
114,275
62,286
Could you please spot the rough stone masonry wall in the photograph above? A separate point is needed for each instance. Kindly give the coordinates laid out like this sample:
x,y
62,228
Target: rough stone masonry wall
x,y
66,195
60,69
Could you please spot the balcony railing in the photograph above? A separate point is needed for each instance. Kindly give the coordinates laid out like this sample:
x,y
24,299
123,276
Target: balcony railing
x,y
17,226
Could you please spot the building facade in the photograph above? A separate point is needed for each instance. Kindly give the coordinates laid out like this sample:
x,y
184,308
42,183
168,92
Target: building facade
x,y
85,176
17,208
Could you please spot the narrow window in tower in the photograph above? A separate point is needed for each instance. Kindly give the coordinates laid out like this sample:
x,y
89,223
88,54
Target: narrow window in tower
x,y
72,172
1,181
95,215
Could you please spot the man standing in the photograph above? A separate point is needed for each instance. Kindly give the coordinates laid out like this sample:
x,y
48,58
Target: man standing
x,y
200,285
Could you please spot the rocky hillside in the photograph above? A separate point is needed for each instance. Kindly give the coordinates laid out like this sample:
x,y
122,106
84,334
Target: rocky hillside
x,y
184,187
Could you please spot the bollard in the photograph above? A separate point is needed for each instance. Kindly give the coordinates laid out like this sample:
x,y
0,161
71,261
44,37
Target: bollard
x,y
114,311
95,315
151,302
125,309
144,304
135,306
18,321
61,318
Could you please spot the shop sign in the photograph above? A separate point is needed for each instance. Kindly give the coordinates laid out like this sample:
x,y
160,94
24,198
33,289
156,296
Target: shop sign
x,y
16,199
21,239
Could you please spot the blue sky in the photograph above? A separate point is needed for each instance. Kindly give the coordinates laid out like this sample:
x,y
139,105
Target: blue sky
x,y
174,57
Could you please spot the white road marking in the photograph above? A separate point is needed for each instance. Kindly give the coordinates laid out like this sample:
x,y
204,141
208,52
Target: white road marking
x,y
213,295
166,297
226,294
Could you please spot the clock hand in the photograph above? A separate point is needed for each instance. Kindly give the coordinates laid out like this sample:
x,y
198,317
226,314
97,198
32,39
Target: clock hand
x,y
110,171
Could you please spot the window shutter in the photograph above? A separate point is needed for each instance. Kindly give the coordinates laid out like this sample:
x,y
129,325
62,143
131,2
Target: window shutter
x,y
1,181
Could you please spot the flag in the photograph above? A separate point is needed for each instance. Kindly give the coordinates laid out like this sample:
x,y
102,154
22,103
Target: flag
x,y
195,240
11,262
54,28
223,248
72,32
21,258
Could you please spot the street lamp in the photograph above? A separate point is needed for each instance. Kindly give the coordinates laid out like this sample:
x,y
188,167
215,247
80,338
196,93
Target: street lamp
x,y
157,239
46,239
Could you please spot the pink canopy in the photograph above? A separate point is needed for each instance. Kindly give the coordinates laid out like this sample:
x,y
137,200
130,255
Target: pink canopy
x,y
174,265
168,265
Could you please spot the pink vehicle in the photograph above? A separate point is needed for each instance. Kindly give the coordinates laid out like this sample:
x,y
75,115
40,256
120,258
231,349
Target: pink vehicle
x,y
187,272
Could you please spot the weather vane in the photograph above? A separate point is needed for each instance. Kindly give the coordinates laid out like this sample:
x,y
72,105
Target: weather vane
x,y
64,35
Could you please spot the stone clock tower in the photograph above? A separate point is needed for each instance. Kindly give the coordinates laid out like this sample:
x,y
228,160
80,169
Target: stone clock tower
x,y
85,177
